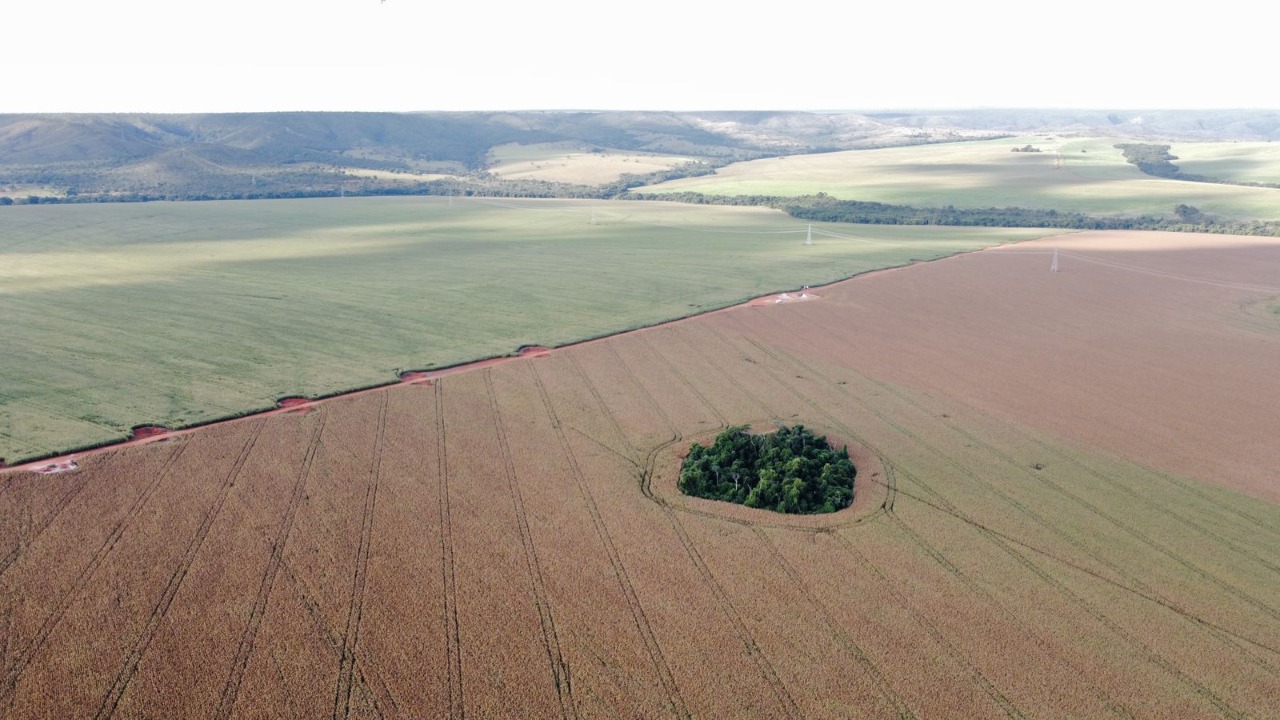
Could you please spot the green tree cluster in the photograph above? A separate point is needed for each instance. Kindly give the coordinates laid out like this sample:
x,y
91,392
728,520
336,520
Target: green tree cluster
x,y
788,471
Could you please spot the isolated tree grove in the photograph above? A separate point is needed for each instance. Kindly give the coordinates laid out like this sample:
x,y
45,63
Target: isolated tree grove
x,y
788,471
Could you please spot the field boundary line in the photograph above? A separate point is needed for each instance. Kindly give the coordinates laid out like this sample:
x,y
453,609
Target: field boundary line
x,y
647,635
240,663
560,674
20,663
355,609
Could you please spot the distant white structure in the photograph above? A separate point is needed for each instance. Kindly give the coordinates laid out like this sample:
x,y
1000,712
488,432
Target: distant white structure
x,y
808,240
1053,267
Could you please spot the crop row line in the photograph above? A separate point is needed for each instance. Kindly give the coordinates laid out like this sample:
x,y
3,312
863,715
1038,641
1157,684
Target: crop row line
x,y
1059,587
641,621
359,580
23,659
21,544
448,569
1142,590
767,670
551,641
129,669
240,663
932,552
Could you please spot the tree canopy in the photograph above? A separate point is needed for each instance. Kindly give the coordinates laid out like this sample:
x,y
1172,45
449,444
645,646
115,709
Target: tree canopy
x,y
788,471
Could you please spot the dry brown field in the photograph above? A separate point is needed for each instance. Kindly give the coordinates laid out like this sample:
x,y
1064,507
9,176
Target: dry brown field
x,y
1067,506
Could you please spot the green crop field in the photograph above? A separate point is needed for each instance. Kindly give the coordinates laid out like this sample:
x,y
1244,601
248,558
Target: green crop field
x,y
1068,174
1237,161
181,313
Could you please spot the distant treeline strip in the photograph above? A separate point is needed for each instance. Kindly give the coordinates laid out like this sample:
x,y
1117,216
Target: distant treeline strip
x,y
1156,160
823,208
818,208
480,184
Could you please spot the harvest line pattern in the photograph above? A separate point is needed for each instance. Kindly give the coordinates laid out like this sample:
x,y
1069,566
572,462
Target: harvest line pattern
x,y
654,650
241,661
130,668
350,641
768,672
24,657
1142,648
559,669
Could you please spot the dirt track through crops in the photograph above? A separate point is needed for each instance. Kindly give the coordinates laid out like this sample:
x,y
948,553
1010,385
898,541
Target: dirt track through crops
x,y
1066,506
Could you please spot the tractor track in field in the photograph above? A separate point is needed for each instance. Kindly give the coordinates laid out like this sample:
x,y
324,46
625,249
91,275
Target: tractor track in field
x,y
365,671
20,663
1157,659
129,669
448,569
359,580
934,553
23,543
240,664
770,674
886,508
654,649
560,671
1221,634
1138,587
846,642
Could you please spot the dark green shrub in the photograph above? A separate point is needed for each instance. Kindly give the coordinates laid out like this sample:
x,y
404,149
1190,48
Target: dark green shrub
x,y
788,471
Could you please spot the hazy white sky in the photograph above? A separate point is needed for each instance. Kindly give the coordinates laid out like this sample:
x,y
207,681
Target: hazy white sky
x,y
258,55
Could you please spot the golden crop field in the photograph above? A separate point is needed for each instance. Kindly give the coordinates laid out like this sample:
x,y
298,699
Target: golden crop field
x,y
507,540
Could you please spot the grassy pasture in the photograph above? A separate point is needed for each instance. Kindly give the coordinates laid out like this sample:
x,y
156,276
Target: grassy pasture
x,y
571,163
1238,161
1069,174
181,313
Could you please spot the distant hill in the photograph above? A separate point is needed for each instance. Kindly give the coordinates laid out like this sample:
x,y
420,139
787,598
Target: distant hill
x,y
141,156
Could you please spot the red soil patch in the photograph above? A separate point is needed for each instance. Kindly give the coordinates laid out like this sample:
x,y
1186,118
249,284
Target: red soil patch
x,y
533,351
298,405
143,432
